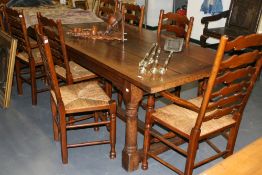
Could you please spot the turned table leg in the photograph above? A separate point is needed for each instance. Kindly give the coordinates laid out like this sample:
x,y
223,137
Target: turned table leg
x,y
130,156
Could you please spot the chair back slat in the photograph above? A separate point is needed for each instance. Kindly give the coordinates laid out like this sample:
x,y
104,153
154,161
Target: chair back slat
x,y
221,113
232,79
55,34
46,55
230,89
242,42
227,101
238,60
229,77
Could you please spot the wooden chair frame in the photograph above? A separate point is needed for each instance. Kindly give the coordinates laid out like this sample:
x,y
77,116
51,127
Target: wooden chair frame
x,y
17,29
226,94
60,112
54,31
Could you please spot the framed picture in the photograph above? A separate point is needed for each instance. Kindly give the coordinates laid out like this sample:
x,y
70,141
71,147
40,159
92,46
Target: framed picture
x,y
7,61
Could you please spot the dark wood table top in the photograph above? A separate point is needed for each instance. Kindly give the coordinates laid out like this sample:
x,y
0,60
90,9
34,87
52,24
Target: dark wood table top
x,y
122,59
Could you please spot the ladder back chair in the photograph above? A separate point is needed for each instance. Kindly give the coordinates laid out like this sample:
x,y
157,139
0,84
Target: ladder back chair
x,y
175,25
28,55
134,14
76,99
67,70
217,112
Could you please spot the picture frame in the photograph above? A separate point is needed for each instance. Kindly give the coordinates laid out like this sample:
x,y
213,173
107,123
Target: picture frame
x,y
7,60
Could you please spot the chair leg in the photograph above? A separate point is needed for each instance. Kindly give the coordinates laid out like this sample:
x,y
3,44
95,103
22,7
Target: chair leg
x,y
63,138
192,150
201,86
119,99
148,124
203,39
177,91
113,130
231,140
54,115
96,116
33,85
18,78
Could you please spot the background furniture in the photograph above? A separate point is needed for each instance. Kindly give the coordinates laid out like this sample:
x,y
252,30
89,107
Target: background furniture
x,y
82,4
246,161
242,18
217,112
76,99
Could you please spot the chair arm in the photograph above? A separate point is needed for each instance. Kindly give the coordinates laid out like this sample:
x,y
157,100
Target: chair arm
x,y
207,19
180,101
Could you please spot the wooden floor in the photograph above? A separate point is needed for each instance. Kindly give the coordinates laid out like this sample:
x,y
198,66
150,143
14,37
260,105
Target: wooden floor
x,y
246,161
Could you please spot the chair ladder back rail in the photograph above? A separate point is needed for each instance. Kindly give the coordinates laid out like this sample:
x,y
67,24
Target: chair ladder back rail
x,y
55,34
235,80
46,55
17,29
173,22
242,42
134,14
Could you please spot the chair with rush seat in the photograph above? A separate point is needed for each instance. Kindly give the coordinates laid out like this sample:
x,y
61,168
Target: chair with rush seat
x,y
67,70
74,100
218,111
28,63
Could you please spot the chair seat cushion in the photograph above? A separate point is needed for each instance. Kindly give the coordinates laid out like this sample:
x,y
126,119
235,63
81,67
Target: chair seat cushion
x,y
183,120
36,54
78,72
81,97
